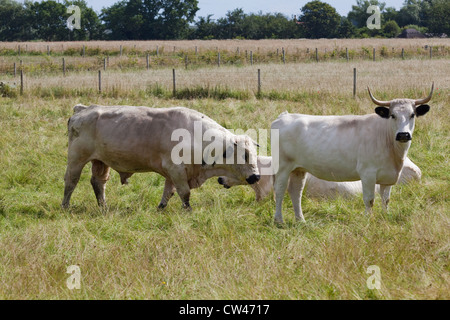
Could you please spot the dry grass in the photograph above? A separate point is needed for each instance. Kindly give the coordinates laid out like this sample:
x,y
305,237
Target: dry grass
x,y
229,45
407,78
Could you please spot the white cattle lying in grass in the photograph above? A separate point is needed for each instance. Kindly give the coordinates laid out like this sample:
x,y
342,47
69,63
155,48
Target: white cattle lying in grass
x,y
370,148
140,139
318,188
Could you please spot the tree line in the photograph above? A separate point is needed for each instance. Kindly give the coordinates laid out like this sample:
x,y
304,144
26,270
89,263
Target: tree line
x,y
176,19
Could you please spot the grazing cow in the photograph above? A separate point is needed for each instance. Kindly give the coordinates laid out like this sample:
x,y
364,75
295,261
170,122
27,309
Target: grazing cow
x,y
317,188
370,148
141,139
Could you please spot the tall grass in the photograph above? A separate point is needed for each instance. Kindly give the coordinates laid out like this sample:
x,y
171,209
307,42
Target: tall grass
x,y
198,54
228,247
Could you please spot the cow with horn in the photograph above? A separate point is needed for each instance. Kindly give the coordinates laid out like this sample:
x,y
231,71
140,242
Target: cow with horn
x,y
371,148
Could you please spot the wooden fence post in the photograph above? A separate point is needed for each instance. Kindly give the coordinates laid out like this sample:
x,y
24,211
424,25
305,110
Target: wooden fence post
x,y
100,81
284,56
259,82
403,53
15,70
64,66
374,54
148,61
21,82
251,57
431,52
354,83
317,55
104,64
218,59
346,54
174,83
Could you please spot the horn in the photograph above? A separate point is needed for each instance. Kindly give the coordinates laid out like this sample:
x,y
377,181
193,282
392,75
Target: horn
x,y
378,102
423,101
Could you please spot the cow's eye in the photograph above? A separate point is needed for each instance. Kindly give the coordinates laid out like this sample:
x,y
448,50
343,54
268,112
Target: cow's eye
x,y
246,158
412,116
393,116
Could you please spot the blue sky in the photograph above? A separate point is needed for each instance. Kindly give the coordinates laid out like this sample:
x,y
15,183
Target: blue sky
x,y
288,7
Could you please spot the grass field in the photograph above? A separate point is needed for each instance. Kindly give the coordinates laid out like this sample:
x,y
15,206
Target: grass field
x,y
228,247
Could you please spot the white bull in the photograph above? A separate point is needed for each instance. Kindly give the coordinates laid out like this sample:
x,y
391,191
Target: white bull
x,y
315,187
141,139
370,148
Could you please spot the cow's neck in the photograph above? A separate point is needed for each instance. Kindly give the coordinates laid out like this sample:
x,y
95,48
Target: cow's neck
x,y
398,151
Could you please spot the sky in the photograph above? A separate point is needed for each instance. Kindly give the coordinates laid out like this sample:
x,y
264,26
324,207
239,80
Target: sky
x,y
288,7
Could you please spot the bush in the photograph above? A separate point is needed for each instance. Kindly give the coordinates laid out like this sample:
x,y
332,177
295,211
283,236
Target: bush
x,y
391,29
7,91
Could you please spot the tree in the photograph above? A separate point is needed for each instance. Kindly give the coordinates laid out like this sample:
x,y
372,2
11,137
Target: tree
x,y
358,15
391,29
13,19
410,13
149,19
48,20
438,17
91,26
205,29
346,29
320,20
232,25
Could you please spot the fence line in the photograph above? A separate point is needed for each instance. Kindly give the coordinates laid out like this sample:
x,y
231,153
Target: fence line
x,y
258,81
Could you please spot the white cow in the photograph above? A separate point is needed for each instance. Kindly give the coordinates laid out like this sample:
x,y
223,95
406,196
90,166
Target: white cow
x,y
370,148
140,139
315,187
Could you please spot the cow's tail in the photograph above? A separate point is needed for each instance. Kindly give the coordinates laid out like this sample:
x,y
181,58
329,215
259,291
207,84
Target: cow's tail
x,y
71,131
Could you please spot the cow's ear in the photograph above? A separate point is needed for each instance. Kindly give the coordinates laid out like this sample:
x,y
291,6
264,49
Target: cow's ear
x,y
422,110
382,112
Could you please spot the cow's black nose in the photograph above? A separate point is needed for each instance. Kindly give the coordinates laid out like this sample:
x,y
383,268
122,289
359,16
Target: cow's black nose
x,y
403,137
220,180
253,179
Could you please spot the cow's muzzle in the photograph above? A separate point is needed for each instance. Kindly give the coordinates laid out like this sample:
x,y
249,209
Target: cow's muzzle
x,y
403,137
222,182
253,179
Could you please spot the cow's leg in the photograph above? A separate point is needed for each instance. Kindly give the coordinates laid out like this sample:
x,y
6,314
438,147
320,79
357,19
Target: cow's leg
x,y
71,178
180,181
296,185
385,192
100,175
169,190
368,185
281,182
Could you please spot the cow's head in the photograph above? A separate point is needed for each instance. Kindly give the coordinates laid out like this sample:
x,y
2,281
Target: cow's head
x,y
402,113
228,182
240,159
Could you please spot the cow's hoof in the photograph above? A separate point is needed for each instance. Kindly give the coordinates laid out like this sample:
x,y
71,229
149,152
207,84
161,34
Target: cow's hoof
x,y
187,207
162,206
